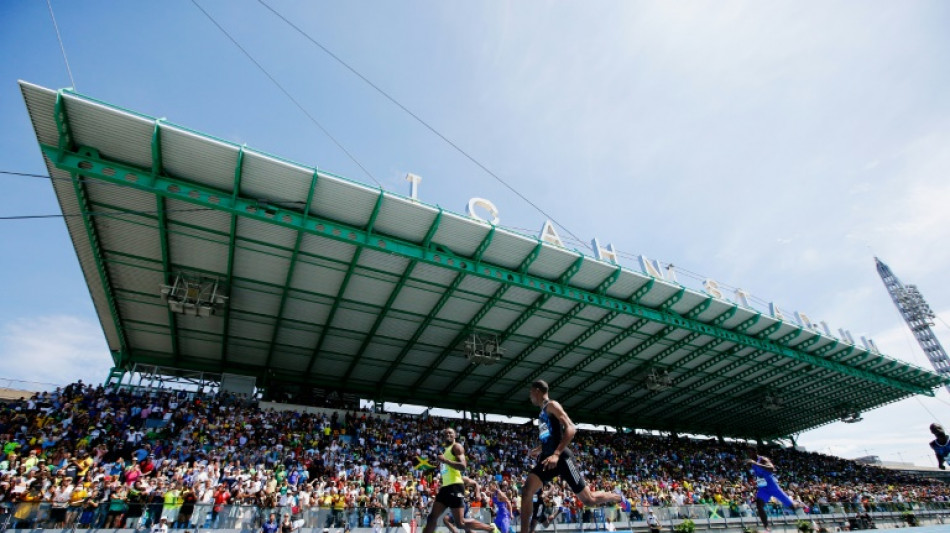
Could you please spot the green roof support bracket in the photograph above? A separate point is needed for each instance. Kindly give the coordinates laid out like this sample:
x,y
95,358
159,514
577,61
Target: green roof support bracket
x,y
232,245
671,301
526,264
767,332
375,213
726,315
571,271
482,246
64,137
535,344
825,349
563,352
788,337
809,343
699,309
291,268
163,233
753,320
434,227
607,283
642,291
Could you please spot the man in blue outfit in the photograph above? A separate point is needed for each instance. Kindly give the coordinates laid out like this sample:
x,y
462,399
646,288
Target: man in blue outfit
x,y
764,472
940,445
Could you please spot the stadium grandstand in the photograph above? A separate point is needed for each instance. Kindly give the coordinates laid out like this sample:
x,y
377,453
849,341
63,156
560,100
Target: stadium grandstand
x,y
242,276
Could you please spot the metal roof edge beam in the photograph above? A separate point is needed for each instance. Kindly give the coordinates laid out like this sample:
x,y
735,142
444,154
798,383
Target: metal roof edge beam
x,y
89,163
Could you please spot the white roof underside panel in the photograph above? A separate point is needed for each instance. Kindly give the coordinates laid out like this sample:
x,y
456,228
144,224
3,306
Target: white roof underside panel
x,y
131,235
118,135
186,213
192,252
459,234
592,274
274,181
384,262
199,159
343,201
404,219
509,250
271,234
41,103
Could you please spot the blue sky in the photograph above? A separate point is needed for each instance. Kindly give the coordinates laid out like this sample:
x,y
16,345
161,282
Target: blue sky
x,y
775,146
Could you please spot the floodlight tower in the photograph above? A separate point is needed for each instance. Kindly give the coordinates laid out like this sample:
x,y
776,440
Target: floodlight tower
x,y
919,317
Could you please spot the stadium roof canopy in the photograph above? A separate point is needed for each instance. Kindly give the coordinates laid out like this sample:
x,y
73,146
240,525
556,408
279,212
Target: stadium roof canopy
x,y
335,284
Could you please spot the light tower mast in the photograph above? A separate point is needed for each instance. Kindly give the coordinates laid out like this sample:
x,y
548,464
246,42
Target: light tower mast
x,y
919,317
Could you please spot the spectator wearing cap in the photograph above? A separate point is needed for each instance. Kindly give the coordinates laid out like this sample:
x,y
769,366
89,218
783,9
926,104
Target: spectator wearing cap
x,y
161,526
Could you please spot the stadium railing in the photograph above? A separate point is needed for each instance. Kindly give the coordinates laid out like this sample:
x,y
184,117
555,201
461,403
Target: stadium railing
x,y
850,516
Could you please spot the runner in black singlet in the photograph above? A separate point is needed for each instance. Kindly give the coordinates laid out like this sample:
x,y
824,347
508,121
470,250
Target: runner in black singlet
x,y
555,458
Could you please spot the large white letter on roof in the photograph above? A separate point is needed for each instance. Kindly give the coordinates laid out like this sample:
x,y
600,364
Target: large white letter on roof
x,y
712,288
651,268
549,234
605,253
484,204
413,185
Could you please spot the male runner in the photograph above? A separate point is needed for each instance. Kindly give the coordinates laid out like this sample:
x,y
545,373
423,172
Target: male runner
x,y
476,495
452,492
940,445
502,506
764,472
555,430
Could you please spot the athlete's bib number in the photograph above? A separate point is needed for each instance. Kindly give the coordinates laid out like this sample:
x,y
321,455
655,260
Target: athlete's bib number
x,y
761,482
544,432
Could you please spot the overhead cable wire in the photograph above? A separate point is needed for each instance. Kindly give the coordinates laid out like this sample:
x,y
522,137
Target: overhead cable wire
x,y
61,47
116,214
288,95
96,181
420,120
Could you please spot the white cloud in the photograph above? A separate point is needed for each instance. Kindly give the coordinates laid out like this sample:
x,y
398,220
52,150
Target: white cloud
x,y
54,349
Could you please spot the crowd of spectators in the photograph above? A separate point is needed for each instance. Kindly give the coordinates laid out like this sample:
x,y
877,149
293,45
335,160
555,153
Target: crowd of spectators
x,y
90,456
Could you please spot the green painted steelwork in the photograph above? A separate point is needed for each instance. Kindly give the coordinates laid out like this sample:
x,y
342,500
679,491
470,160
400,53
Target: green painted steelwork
x,y
516,361
229,275
671,301
520,320
167,273
333,309
162,221
584,388
291,268
366,239
368,230
482,246
65,143
466,331
716,360
753,320
649,363
567,350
